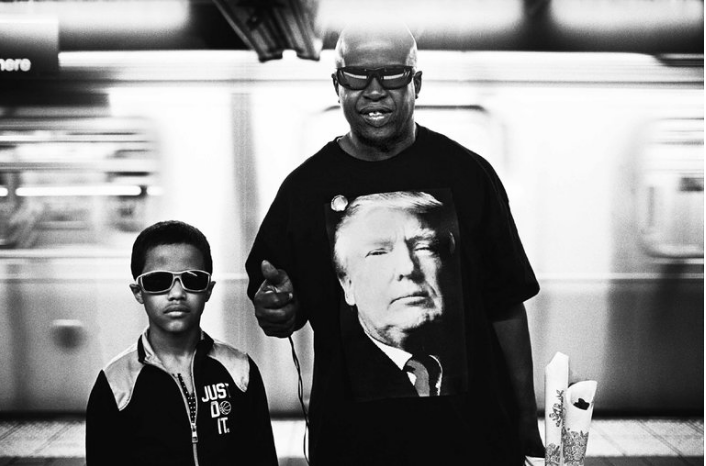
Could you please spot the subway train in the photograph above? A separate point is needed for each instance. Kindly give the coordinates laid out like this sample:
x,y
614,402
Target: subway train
x,y
601,155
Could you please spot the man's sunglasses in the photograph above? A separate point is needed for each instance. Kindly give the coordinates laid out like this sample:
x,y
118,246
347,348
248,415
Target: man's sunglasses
x,y
161,281
389,77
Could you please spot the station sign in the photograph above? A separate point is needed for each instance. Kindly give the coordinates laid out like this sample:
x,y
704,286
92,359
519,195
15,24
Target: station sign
x,y
29,46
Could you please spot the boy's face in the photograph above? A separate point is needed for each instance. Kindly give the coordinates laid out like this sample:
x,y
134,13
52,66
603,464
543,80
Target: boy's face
x,y
176,311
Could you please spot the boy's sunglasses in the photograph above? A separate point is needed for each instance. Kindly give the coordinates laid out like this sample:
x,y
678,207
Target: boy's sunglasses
x,y
161,281
389,77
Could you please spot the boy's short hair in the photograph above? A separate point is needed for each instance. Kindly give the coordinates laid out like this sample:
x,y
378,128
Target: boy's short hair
x,y
168,232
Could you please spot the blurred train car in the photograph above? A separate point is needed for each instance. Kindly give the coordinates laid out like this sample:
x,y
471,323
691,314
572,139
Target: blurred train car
x,y
601,153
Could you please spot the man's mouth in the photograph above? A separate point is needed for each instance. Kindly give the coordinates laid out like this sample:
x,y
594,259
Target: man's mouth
x,y
410,298
376,116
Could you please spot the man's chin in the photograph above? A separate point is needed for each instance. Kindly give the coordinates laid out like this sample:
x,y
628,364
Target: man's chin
x,y
427,337
422,321
379,136
415,315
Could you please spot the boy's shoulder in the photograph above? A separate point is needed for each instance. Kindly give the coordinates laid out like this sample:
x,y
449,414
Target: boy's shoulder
x,y
121,373
236,362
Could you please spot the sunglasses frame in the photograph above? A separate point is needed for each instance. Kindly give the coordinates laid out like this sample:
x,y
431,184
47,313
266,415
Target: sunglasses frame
x,y
371,73
175,276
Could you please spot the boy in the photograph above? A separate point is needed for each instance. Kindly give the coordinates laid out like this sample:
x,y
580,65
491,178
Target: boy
x,y
177,397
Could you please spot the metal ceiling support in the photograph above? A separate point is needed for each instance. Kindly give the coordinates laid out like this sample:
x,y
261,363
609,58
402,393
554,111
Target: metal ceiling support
x,y
271,26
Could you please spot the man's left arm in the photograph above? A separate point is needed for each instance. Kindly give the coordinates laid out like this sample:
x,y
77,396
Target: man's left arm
x,y
513,335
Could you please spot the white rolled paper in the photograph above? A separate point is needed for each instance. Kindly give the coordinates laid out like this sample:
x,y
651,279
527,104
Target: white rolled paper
x,y
578,410
556,381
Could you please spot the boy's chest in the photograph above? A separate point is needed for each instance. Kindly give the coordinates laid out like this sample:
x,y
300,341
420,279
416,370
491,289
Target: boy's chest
x,y
160,407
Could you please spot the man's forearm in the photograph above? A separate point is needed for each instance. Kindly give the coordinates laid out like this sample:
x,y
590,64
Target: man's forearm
x,y
513,334
514,338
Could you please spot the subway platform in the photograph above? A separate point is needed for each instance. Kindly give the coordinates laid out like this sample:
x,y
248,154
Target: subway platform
x,y
659,441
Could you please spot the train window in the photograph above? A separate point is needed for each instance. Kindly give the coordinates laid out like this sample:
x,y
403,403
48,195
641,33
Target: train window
x,y
672,190
75,181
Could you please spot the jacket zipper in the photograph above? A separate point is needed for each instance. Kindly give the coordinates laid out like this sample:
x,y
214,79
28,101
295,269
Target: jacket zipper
x,y
192,422
194,433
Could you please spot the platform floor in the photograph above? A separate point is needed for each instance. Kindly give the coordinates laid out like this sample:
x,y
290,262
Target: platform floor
x,y
612,442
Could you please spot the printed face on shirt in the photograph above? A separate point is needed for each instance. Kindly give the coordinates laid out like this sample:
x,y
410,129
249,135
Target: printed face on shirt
x,y
392,265
175,311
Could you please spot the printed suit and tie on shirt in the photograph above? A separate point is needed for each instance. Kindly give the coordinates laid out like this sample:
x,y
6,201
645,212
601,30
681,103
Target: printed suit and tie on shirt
x,y
402,324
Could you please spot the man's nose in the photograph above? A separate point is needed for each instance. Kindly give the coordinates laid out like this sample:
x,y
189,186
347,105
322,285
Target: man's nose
x,y
374,89
406,264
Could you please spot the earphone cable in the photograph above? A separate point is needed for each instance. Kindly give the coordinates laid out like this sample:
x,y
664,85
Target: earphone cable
x,y
300,394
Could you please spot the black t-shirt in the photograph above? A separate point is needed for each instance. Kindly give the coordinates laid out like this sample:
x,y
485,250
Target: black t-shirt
x,y
472,422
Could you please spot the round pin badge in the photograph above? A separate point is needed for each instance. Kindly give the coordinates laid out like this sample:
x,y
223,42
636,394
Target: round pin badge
x,y
339,203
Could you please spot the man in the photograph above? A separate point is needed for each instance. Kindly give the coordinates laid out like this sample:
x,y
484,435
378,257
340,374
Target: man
x,y
393,254
494,420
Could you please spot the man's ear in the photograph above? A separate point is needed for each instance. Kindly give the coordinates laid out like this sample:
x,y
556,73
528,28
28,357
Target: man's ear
x,y
137,292
452,243
335,82
347,290
417,79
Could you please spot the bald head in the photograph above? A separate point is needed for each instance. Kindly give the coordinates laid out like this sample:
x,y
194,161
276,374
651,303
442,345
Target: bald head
x,y
391,39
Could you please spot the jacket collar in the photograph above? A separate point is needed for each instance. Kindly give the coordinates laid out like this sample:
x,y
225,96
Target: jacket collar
x,y
147,355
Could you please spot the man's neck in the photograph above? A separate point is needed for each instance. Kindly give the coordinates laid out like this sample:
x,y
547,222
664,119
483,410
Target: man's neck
x,y
397,355
373,151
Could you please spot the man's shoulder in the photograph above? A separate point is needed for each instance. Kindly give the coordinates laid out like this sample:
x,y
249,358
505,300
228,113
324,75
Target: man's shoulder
x,y
435,139
455,153
314,164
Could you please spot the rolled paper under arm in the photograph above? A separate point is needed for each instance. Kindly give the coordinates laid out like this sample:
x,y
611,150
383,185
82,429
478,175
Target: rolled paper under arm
x,y
578,410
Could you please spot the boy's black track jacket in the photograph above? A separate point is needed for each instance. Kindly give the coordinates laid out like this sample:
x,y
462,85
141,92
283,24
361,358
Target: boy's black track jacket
x,y
138,414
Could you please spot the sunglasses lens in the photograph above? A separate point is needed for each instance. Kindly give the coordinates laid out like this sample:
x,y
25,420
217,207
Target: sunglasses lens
x,y
156,282
195,280
353,79
393,78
